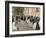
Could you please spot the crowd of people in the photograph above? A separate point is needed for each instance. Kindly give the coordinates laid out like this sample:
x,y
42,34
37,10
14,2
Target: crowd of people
x,y
34,20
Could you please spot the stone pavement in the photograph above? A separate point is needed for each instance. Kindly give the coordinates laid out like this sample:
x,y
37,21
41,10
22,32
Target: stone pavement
x,y
22,26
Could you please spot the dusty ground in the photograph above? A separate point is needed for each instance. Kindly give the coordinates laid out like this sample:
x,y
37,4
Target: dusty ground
x,y
22,26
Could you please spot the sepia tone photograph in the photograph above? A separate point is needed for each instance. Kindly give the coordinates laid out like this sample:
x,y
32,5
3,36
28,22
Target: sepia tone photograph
x,y
25,18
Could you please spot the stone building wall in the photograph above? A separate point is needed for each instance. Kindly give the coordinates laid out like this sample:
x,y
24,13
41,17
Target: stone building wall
x,y
31,12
